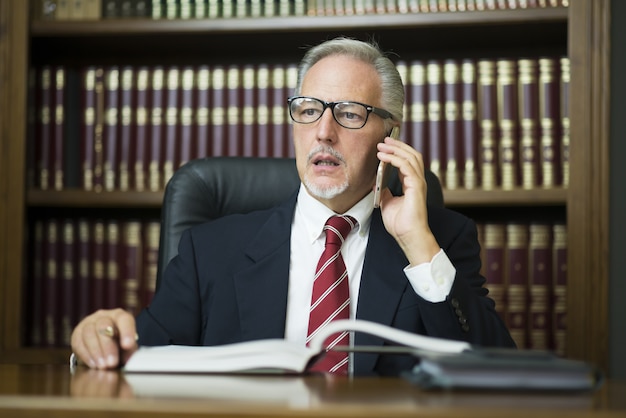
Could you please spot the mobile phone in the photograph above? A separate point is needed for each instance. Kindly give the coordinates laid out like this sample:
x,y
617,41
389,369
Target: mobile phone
x,y
382,172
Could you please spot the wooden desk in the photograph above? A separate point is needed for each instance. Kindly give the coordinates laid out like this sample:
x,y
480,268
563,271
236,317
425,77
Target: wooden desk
x,y
52,391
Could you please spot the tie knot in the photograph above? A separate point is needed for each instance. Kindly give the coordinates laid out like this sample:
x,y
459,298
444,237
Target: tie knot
x,y
337,229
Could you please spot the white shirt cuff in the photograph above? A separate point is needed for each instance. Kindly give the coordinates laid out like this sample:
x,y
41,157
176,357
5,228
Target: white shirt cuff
x,y
432,281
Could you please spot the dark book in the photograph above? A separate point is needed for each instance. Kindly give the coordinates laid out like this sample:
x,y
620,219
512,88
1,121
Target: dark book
x,y
487,118
143,8
218,112
278,113
157,116
565,122
51,288
549,121
559,287
436,123
57,119
112,243
249,111
540,286
202,116
110,135
291,79
84,274
234,110
494,243
99,265
151,231
132,268
100,116
171,143
141,129
126,124
469,100
506,81
186,115
517,282
35,311
403,69
453,123
263,133
111,9
417,110
529,122
67,283
44,128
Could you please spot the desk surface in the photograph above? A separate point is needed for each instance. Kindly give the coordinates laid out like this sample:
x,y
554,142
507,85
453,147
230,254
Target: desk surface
x,y
29,390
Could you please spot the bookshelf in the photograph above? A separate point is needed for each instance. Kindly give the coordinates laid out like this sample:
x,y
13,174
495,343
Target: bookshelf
x,y
579,31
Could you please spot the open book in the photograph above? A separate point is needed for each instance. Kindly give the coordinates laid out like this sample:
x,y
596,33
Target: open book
x,y
275,355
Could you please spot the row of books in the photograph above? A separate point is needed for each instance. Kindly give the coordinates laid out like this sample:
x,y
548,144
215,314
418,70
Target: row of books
x,y
525,264
480,124
202,9
81,265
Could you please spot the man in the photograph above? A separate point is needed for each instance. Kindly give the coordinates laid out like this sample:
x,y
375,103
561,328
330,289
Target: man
x,y
408,266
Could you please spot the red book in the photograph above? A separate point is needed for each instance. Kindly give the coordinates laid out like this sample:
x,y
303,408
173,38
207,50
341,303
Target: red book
x,y
249,119
436,123
151,232
529,122
202,120
565,123
44,131
98,170
111,133
51,289
263,134
112,265
487,118
417,109
517,282
84,276
453,122
187,88
234,108
469,100
68,281
559,256
142,125
58,128
88,125
549,121
99,263
291,78
278,113
131,271
171,137
494,252
218,111
506,81
157,116
540,284
126,123
403,69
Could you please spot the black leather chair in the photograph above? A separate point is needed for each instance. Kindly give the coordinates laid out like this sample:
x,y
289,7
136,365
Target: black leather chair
x,y
209,188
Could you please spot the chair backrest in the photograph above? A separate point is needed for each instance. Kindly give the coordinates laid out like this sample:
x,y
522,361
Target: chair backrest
x,y
209,188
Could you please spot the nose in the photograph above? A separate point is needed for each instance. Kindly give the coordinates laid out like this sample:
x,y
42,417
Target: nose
x,y
327,127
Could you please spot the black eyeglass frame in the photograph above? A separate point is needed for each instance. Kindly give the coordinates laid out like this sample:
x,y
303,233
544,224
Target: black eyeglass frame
x,y
325,105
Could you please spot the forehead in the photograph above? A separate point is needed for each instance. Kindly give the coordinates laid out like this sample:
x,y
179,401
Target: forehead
x,y
340,77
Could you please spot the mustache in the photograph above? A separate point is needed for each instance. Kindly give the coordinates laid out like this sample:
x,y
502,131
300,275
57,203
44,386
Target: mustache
x,y
326,150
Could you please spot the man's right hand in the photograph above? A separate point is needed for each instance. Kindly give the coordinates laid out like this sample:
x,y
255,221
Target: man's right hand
x,y
105,339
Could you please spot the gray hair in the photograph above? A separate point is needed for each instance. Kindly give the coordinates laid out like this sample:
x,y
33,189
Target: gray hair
x,y
392,98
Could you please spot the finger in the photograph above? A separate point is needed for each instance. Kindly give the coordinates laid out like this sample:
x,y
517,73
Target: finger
x,y
126,330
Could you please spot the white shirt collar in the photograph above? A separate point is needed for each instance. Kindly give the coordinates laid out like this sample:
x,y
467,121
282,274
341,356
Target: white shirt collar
x,y
315,214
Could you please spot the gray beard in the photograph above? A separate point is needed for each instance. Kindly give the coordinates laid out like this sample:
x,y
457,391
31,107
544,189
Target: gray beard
x,y
327,192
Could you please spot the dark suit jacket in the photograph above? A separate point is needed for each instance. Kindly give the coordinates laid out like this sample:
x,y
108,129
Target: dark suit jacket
x,y
229,284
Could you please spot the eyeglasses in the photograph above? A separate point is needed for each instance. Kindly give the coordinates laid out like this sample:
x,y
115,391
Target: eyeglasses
x,y
351,115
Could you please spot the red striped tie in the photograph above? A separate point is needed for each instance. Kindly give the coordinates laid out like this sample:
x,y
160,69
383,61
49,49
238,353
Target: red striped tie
x,y
331,295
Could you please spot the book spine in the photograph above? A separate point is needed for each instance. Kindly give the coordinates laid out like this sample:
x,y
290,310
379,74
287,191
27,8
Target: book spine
x,y
92,9
249,119
99,288
38,277
142,125
417,113
487,117
540,282
218,116
152,230
132,267
452,112
494,236
156,128
58,131
506,81
529,117
44,135
111,133
263,110
68,282
51,285
202,119
291,79
188,87
234,109
470,124
559,321
98,170
171,137
403,69
565,123
278,112
126,132
88,126
436,125
549,109
517,282
112,267
84,275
